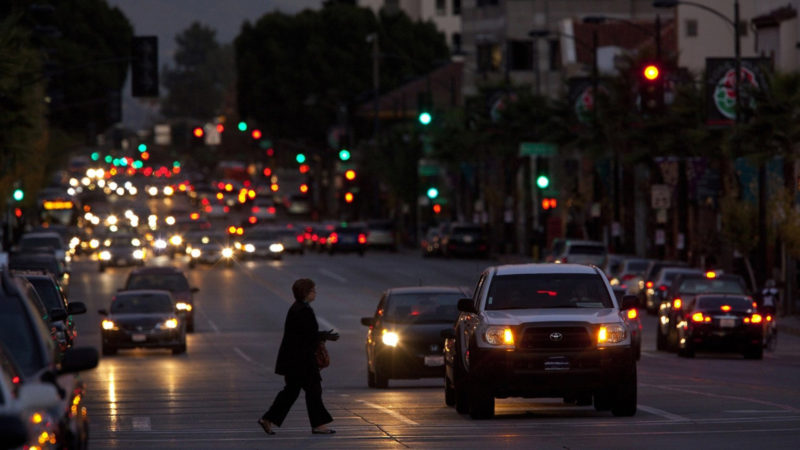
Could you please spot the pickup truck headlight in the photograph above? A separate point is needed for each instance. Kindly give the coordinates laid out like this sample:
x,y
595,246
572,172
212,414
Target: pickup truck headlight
x,y
499,335
109,325
612,333
105,255
390,338
276,248
227,252
249,248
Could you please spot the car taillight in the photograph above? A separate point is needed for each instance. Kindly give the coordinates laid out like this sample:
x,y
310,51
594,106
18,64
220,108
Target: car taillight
x,y
255,209
755,318
362,238
699,317
633,313
271,210
769,318
226,209
300,238
627,277
333,238
662,288
649,285
677,303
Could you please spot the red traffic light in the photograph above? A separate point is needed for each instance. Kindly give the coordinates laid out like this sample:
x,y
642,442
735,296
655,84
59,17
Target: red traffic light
x,y
304,168
220,128
350,174
256,134
651,72
549,203
304,188
437,208
267,171
198,132
348,197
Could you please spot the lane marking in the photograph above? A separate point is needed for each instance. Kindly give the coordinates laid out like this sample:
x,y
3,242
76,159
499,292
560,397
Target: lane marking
x,y
241,353
213,326
729,397
333,275
141,424
756,411
388,411
662,413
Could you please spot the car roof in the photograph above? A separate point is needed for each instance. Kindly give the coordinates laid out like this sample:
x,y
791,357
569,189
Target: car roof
x,y
424,290
143,292
41,234
156,270
545,268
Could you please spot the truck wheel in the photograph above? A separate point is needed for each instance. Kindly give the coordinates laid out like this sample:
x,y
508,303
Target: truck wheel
x,y
481,403
602,400
370,378
449,393
624,402
381,382
179,349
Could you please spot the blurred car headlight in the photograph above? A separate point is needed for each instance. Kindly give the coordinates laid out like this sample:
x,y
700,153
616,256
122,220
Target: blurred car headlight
x,y
108,324
276,248
176,240
74,242
153,191
390,338
138,253
183,306
111,220
499,335
227,252
169,220
168,190
169,324
613,333
196,253
249,248
160,244
94,243
105,255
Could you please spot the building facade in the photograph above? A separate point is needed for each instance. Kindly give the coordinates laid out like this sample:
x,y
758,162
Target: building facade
x,y
445,14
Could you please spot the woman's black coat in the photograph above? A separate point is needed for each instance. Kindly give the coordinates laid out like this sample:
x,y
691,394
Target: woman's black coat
x,y
300,339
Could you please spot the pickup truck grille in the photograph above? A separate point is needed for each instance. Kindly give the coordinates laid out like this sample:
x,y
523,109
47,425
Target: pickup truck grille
x,y
555,337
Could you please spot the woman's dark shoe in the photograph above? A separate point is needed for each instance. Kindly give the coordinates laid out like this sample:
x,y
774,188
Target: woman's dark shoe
x,y
266,425
322,430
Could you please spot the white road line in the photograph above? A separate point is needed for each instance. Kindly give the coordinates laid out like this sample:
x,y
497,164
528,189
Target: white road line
x,y
756,411
241,353
729,397
141,424
662,413
333,275
394,414
213,326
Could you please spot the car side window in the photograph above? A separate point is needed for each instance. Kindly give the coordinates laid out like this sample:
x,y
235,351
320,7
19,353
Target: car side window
x,y
381,307
478,288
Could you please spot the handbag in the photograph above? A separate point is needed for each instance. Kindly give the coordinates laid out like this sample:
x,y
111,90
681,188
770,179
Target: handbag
x,y
321,353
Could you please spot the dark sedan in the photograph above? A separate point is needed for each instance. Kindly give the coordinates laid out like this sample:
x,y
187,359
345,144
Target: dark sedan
x,y
721,323
143,319
168,279
345,239
404,338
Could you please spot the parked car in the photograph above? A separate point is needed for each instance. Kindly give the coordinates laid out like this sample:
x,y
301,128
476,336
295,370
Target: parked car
x,y
464,239
576,251
170,279
46,262
382,234
683,289
35,241
25,335
728,323
59,309
143,319
404,336
541,330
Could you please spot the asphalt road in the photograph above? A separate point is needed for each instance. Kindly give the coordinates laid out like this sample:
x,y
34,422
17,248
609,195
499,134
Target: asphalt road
x,y
212,396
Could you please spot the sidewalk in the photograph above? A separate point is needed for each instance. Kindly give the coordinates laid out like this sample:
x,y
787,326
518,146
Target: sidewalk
x,y
789,325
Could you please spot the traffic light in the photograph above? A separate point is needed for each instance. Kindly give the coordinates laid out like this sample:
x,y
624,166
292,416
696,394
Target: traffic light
x,y
651,87
350,175
437,208
95,156
542,173
300,158
142,147
242,126
144,66
424,118
432,193
256,134
344,154
304,188
197,136
549,203
220,128
18,194
305,168
349,197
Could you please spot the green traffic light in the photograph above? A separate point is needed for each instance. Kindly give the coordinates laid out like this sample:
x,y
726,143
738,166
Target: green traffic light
x,y
425,118
242,126
176,163
109,159
142,147
542,181
19,194
95,156
433,193
344,154
300,158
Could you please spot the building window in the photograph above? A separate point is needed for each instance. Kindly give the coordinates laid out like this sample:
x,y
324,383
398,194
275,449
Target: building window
x,y
691,28
520,55
456,7
490,57
553,55
441,7
456,42
482,3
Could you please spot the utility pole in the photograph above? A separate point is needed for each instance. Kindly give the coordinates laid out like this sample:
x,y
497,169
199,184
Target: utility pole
x,y
373,38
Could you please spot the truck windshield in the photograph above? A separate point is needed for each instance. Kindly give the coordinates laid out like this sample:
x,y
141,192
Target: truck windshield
x,y
548,291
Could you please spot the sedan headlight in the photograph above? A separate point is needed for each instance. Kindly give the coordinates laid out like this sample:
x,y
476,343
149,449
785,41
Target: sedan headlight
x,y
161,244
613,333
176,240
227,252
390,338
249,248
108,324
94,243
105,255
276,247
169,324
183,306
196,253
499,335
138,253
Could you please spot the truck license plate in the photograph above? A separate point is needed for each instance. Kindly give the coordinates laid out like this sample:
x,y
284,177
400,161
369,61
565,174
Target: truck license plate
x,y
434,360
727,323
138,338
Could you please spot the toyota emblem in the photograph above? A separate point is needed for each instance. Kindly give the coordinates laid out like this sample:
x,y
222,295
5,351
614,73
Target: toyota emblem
x,y
434,348
556,336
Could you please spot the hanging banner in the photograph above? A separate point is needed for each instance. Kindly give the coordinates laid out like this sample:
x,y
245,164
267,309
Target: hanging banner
x,y
581,98
721,86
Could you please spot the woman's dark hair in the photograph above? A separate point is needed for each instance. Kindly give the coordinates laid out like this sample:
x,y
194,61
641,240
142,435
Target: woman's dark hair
x,y
301,288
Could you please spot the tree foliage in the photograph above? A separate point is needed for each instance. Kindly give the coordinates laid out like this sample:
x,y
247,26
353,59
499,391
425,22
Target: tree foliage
x,y
203,74
295,73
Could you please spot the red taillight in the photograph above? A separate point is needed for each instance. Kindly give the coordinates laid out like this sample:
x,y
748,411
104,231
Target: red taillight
x,y
677,303
322,240
271,210
649,285
226,209
725,308
769,318
333,238
362,238
252,219
254,209
662,288
300,238
698,317
15,380
633,313
627,277
756,318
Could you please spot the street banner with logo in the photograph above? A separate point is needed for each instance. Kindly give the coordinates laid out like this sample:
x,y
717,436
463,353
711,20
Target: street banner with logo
x,y
581,98
721,86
